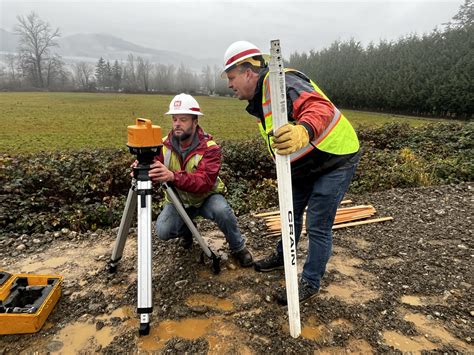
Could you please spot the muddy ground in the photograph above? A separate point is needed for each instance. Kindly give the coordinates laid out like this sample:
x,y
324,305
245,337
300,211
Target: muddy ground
x,y
403,285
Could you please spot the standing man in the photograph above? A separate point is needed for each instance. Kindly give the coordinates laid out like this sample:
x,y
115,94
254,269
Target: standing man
x,y
322,145
191,161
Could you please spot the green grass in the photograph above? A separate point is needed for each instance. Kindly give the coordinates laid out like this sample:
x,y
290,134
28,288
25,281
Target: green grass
x,y
32,122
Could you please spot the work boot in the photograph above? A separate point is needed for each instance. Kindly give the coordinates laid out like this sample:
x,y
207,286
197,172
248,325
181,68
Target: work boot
x,y
244,257
305,293
186,241
270,263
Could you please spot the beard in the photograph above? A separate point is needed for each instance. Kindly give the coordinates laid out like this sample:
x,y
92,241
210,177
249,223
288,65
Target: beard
x,y
184,135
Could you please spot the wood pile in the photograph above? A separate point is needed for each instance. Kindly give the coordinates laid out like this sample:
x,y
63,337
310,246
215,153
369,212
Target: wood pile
x,y
345,217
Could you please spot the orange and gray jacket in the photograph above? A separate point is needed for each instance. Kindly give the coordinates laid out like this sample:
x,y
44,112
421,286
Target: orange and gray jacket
x,y
333,141
195,172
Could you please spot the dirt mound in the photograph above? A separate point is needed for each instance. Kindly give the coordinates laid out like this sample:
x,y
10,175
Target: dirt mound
x,y
400,285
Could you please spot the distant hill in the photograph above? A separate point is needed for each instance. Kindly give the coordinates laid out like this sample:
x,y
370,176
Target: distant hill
x,y
90,47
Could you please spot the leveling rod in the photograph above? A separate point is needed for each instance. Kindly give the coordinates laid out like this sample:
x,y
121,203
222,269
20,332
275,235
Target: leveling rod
x,y
285,194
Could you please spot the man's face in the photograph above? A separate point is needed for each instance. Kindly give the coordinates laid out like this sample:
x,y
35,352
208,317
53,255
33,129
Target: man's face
x,y
243,83
184,126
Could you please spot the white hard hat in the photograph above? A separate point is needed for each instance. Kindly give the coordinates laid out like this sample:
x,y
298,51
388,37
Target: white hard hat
x,y
184,104
240,50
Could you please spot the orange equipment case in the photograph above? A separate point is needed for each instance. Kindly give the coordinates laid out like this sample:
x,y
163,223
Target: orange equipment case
x,y
26,300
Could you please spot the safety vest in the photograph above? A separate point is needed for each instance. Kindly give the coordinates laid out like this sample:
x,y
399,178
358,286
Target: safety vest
x,y
172,162
338,138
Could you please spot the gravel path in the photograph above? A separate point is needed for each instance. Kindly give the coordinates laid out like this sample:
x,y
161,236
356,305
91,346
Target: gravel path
x,y
403,285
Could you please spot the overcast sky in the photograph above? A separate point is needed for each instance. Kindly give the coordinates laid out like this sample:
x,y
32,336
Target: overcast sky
x,y
206,28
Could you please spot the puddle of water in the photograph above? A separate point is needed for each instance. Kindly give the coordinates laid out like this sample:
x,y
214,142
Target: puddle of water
x,y
44,266
59,261
200,299
361,243
435,330
245,297
225,275
350,292
216,241
408,344
412,300
345,265
354,346
191,328
312,330
122,312
389,261
218,346
223,338
81,337
342,324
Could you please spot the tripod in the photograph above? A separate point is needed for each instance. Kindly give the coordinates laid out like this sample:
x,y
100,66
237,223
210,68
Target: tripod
x,y
142,187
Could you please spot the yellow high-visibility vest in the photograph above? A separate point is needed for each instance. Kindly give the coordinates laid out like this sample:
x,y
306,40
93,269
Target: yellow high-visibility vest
x,y
338,138
171,161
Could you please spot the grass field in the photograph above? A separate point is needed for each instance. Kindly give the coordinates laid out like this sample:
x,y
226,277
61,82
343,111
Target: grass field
x,y
33,122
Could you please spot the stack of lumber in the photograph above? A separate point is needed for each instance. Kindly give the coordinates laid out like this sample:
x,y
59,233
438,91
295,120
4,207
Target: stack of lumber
x,y
345,217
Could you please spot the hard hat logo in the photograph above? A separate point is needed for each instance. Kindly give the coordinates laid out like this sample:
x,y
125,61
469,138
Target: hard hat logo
x,y
184,104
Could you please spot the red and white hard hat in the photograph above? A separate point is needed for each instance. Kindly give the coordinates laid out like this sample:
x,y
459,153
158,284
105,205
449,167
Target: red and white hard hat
x,y
238,51
184,104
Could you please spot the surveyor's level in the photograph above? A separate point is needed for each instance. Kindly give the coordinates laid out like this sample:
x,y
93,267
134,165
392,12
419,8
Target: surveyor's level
x,y
26,301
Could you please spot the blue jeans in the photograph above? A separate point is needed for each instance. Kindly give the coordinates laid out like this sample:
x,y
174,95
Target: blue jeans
x,y
169,224
322,196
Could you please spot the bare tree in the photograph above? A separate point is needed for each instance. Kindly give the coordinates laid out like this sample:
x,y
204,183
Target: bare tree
x,y
36,39
12,70
143,72
164,79
54,71
208,80
129,74
83,74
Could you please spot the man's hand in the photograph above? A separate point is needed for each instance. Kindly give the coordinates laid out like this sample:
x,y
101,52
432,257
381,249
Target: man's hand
x,y
134,165
289,138
159,172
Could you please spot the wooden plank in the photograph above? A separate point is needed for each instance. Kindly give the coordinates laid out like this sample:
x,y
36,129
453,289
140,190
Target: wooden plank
x,y
338,226
272,213
375,220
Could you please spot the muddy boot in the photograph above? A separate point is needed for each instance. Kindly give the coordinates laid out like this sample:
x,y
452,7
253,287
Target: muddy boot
x,y
244,257
270,263
186,241
305,293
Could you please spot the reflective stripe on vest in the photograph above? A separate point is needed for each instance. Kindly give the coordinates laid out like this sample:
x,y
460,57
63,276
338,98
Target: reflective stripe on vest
x,y
338,138
172,162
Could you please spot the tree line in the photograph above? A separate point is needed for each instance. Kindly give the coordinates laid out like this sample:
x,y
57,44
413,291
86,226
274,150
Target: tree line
x,y
137,74
427,75
37,67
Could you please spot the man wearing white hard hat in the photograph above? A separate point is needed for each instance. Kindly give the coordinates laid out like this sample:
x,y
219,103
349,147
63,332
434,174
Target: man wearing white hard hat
x,y
191,160
323,148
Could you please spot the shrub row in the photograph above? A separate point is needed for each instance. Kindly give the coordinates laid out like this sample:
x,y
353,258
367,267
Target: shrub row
x,y
86,189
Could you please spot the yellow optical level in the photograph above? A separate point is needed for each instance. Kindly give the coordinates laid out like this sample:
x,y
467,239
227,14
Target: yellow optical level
x,y
144,135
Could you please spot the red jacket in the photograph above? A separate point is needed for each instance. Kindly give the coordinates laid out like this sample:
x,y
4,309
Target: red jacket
x,y
204,178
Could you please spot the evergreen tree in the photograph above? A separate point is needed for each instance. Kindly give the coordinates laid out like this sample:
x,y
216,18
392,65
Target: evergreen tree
x,y
101,73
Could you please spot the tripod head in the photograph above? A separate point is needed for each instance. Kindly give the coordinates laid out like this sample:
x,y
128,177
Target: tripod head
x,y
144,141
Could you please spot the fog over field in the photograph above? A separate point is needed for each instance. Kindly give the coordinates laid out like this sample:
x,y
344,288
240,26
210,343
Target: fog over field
x,y
204,29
